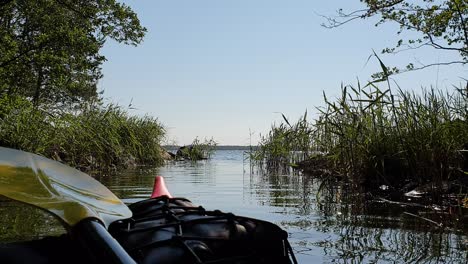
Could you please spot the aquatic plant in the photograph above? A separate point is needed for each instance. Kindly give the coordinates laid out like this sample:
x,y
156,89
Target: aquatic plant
x,y
284,144
197,150
379,137
94,136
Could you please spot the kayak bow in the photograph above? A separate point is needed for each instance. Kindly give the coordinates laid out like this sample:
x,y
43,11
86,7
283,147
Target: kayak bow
x,y
167,230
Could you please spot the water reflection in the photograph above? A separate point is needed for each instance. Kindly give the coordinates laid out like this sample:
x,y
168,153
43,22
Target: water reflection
x,y
360,239
351,229
22,222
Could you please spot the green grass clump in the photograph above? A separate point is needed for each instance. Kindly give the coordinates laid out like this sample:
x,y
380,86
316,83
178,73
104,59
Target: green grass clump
x,y
373,137
22,126
93,136
284,144
197,150
378,137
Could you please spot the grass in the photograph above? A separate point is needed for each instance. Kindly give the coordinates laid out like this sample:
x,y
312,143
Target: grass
x,y
93,137
197,150
376,137
285,144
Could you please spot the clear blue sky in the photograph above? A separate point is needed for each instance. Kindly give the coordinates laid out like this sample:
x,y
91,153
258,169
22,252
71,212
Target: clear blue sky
x,y
212,68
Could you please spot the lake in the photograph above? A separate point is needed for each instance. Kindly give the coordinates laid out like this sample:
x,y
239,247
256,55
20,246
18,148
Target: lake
x,y
325,221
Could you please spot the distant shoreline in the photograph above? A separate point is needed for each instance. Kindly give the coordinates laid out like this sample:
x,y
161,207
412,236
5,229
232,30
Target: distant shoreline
x,y
221,147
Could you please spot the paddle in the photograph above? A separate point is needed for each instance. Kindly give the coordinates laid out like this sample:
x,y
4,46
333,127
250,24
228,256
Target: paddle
x,y
83,204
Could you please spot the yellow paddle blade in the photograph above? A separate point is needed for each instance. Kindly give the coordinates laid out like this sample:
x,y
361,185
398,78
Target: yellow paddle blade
x,y
66,192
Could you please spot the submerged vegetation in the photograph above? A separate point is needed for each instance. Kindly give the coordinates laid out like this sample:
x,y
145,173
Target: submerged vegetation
x,y
376,138
92,137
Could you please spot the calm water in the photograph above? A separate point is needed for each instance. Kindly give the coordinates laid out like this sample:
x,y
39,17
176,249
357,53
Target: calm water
x,y
325,223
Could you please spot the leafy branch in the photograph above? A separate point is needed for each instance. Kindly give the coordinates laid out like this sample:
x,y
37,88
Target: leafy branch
x,y
441,25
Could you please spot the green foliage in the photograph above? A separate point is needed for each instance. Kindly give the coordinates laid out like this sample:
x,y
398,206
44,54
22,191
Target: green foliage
x,y
96,137
285,144
198,150
49,49
441,25
375,137
49,68
22,126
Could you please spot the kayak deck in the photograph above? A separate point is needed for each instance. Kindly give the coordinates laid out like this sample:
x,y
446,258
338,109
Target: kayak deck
x,y
173,230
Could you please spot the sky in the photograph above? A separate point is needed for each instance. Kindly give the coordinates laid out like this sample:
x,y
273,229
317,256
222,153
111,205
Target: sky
x,y
227,69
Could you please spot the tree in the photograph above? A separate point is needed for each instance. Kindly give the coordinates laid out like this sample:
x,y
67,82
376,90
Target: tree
x,y
49,49
442,25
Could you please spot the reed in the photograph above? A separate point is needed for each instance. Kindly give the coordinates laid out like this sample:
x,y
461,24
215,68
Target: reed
x,y
92,137
197,150
285,144
379,137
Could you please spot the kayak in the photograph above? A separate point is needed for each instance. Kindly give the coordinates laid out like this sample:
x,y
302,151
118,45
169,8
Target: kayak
x,y
165,229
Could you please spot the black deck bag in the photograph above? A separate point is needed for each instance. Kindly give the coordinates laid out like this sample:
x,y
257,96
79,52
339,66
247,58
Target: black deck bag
x,y
172,230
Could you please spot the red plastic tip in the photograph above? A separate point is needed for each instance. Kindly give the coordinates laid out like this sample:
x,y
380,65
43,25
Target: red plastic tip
x,y
160,188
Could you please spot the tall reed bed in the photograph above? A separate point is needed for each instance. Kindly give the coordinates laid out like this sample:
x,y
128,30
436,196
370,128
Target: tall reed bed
x,y
382,137
373,136
92,137
285,144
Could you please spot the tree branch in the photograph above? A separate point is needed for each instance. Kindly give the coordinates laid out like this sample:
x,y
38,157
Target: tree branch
x,y
73,9
438,46
333,23
376,6
463,24
435,64
409,47
21,54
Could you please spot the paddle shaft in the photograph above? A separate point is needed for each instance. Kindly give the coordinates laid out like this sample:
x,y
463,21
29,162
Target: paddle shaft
x,y
101,246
